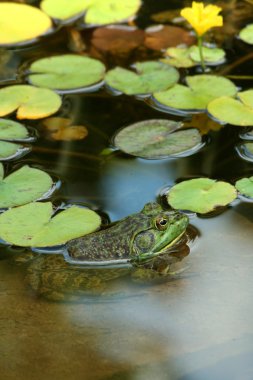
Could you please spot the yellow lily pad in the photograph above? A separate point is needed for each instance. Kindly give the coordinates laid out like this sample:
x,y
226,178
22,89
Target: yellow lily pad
x,y
97,12
30,102
201,90
21,23
236,112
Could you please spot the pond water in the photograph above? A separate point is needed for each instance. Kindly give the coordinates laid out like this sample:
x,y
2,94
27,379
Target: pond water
x,y
196,324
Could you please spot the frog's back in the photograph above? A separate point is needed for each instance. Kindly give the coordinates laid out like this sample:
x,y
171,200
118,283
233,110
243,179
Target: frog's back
x,y
109,245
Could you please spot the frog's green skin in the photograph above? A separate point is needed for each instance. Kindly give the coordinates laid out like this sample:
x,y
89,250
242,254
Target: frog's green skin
x,y
136,238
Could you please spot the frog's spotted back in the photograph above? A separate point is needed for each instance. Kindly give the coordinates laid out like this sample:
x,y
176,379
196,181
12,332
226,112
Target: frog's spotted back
x,y
118,243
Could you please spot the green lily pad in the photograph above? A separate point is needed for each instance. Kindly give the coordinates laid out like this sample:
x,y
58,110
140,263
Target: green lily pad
x,y
232,111
156,139
22,23
189,57
11,130
246,34
178,57
151,76
9,150
1,171
201,195
211,55
31,225
202,90
249,148
66,72
30,102
97,12
245,186
23,186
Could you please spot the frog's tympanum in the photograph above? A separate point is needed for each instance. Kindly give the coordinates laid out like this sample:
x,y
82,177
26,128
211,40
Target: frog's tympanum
x,y
150,243
137,238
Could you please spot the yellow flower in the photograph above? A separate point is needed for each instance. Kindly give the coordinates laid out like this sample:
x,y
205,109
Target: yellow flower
x,y
202,18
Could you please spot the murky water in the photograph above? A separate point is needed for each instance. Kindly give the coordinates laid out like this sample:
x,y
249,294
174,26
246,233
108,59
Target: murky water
x,y
197,325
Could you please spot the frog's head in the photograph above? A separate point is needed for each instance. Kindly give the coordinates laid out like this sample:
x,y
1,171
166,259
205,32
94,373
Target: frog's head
x,y
162,230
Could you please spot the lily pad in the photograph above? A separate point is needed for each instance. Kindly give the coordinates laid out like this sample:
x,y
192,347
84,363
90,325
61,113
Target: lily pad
x,y
156,139
151,76
246,34
201,195
31,225
211,55
232,111
66,72
9,150
30,102
179,57
245,186
11,130
97,12
189,57
23,186
21,23
1,171
195,98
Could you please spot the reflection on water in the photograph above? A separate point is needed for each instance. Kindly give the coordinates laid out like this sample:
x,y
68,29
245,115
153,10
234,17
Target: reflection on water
x,y
198,324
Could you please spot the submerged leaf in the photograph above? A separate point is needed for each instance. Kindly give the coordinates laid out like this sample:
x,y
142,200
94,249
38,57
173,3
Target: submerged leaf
x,y
151,76
201,195
21,22
161,37
232,111
155,139
66,72
31,225
60,128
30,102
202,90
23,186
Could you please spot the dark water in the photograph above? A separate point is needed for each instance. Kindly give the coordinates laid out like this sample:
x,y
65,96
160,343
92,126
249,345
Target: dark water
x,y
195,326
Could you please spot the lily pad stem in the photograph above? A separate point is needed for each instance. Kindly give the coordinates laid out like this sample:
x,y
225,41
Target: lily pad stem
x,y
201,53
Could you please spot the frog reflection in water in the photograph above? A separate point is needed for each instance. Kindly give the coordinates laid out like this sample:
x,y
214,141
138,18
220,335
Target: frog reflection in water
x,y
149,241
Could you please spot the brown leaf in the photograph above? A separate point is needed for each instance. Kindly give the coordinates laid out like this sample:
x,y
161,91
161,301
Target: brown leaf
x,y
162,37
117,40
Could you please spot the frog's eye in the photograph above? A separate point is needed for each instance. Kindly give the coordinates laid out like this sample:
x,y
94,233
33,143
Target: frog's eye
x,y
161,223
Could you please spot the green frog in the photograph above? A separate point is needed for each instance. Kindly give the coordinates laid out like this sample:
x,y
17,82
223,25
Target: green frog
x,y
143,246
136,239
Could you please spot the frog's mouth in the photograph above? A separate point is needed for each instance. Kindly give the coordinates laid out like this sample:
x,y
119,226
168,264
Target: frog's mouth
x,y
147,256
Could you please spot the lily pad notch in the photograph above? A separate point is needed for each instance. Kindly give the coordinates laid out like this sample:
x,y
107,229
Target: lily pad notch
x,y
35,225
201,195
